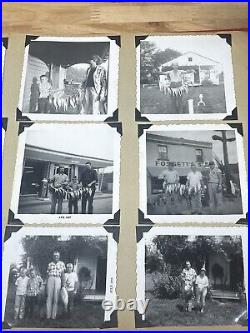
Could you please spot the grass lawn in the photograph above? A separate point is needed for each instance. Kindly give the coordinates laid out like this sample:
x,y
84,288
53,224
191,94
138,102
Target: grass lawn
x,y
154,101
162,312
88,314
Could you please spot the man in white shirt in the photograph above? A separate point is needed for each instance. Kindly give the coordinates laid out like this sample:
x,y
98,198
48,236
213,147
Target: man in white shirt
x,y
59,181
201,284
195,184
170,181
188,277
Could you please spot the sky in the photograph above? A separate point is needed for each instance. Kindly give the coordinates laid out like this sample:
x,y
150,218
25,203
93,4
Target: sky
x,y
86,140
213,47
206,136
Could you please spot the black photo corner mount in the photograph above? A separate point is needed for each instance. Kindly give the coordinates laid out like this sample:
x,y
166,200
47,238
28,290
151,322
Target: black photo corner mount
x,y
243,220
5,42
29,39
12,220
113,118
115,220
227,37
142,127
23,125
117,39
138,39
233,116
9,230
4,123
142,219
114,230
139,322
238,126
112,323
20,117
118,127
139,117
140,229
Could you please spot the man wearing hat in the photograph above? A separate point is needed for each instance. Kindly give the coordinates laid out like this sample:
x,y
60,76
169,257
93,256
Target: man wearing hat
x,y
215,188
201,285
170,181
95,87
195,184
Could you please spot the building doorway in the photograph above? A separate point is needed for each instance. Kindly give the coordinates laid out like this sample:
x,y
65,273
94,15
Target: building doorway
x,y
33,174
101,274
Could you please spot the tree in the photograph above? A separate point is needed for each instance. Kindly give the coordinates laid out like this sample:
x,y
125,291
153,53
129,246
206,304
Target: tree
x,y
147,50
175,250
40,248
161,57
151,59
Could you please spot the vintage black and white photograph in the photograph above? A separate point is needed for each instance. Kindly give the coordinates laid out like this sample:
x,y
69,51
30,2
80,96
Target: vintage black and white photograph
x,y
193,276
70,79
185,77
4,49
58,278
4,129
191,172
67,169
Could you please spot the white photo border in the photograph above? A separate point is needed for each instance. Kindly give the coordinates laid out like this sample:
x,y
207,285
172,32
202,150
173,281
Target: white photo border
x,y
234,218
111,277
194,231
230,98
113,75
65,218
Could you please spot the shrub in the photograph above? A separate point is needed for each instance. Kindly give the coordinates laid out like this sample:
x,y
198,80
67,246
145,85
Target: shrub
x,y
207,83
167,287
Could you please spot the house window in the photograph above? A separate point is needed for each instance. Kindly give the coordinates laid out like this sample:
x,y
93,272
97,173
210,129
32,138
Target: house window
x,y
199,155
163,152
190,59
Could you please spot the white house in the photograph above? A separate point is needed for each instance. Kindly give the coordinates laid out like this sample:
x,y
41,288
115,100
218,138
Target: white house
x,y
206,69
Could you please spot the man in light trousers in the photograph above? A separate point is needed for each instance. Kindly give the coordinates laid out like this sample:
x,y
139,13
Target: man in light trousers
x,y
56,280
95,88
215,189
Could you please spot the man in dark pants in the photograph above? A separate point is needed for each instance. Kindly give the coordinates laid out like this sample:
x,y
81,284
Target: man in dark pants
x,y
88,180
59,181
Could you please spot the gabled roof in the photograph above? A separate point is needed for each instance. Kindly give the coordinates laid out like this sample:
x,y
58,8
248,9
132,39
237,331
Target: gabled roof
x,y
189,52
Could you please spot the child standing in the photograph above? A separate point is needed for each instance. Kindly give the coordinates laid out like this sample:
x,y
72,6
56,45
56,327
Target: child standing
x,y
201,284
21,292
71,283
73,200
33,289
45,90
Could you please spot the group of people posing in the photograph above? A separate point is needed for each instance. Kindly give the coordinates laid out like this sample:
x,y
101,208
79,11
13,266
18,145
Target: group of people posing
x,y
196,185
84,189
35,294
195,287
91,97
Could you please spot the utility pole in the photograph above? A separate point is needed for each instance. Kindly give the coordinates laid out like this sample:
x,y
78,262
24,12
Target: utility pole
x,y
223,138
